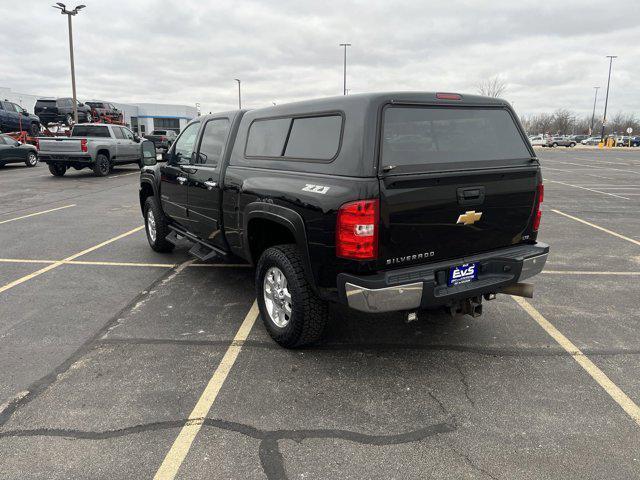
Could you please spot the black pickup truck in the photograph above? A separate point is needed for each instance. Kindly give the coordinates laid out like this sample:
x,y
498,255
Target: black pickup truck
x,y
382,202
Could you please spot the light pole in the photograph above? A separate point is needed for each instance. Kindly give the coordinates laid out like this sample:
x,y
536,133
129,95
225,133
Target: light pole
x,y
593,115
606,100
239,95
344,88
70,13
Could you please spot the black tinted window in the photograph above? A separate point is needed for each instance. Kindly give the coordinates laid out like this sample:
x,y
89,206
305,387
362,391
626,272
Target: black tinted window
x,y
213,139
90,131
266,137
314,137
418,136
117,132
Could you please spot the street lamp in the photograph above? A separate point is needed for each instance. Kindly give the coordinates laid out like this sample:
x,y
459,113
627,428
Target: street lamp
x,y
344,88
239,95
593,115
70,13
606,100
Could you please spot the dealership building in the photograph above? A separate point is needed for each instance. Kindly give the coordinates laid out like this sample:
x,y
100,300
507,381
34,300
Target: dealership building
x,y
140,117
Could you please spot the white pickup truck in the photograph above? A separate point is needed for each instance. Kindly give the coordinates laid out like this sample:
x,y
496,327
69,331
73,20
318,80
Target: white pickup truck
x,y
91,145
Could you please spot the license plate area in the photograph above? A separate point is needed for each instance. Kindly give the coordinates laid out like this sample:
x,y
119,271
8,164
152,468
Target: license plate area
x,y
465,273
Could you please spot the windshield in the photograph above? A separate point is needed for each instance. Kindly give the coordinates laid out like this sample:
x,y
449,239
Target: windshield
x,y
430,136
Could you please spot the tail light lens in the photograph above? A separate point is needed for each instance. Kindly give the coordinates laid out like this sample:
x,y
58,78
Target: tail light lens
x,y
357,230
538,210
83,144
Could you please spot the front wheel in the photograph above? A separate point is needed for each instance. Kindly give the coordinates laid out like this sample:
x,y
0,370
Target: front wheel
x,y
554,145
102,165
32,159
292,313
57,169
156,226
68,119
572,144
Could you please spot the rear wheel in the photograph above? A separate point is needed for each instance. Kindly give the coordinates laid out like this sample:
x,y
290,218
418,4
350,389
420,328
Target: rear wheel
x,y
156,226
102,165
57,169
32,159
68,119
572,144
292,313
554,144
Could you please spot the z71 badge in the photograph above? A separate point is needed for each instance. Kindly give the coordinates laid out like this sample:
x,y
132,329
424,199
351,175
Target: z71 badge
x,y
315,188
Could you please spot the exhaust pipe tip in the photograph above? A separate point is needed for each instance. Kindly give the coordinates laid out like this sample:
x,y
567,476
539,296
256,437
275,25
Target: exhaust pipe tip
x,y
519,290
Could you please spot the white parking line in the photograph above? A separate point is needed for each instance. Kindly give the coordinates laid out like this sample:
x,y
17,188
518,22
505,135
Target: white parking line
x,y
606,230
591,368
589,189
599,168
37,213
172,462
582,272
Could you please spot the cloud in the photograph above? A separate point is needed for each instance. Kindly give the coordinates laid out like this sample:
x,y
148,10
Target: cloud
x,y
551,55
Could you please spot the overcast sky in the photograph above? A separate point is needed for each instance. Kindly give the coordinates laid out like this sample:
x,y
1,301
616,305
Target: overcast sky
x,y
551,54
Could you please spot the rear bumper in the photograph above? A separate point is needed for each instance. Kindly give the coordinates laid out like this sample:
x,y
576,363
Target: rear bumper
x,y
65,158
425,286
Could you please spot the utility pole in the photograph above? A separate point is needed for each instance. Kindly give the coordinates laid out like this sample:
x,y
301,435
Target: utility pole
x,y
71,13
344,88
593,115
606,100
239,95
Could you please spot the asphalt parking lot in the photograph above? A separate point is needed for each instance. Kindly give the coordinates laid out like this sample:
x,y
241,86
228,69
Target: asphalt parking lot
x,y
118,362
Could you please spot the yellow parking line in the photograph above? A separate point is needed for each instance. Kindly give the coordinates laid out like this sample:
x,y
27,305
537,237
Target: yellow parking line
x,y
182,444
124,264
37,213
121,264
25,260
610,232
598,375
26,278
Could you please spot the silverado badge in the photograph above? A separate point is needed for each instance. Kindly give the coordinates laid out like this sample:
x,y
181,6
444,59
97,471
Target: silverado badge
x,y
469,217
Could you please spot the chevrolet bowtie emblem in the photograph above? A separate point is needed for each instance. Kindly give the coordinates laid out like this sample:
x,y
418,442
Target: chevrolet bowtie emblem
x,y
469,218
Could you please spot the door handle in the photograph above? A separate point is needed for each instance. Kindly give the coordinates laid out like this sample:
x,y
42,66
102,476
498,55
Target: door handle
x,y
181,180
210,185
470,195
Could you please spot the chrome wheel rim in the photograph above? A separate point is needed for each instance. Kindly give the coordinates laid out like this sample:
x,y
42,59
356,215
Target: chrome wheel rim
x,y
32,159
104,166
277,297
151,226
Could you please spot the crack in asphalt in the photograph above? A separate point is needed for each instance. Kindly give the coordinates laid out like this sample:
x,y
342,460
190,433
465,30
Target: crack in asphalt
x,y
465,383
271,458
550,351
41,385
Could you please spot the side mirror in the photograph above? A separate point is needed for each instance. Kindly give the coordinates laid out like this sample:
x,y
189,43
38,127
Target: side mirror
x,y
24,112
148,153
136,138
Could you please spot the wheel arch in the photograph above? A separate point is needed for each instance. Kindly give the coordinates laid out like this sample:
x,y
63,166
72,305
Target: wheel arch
x,y
287,226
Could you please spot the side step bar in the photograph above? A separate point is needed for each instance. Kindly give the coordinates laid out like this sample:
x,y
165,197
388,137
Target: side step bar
x,y
201,250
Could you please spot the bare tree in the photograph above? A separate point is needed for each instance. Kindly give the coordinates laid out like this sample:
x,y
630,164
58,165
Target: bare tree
x,y
494,87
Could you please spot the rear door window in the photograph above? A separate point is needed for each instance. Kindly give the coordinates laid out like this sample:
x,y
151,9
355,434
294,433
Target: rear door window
x,y
117,132
426,138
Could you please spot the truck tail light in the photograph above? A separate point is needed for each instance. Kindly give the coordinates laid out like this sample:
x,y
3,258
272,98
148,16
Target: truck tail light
x,y
538,210
357,230
448,96
83,144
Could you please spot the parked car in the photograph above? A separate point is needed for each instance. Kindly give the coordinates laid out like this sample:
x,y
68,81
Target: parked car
x,y
162,139
579,138
635,141
100,109
592,140
12,151
97,146
538,140
14,118
300,191
52,110
560,142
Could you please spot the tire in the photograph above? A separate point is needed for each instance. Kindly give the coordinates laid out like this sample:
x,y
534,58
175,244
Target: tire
x,y
68,120
102,165
572,144
307,313
156,227
554,145
57,169
32,159
34,129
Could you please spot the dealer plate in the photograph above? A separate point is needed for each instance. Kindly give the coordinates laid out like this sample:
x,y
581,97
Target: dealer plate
x,y
465,273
